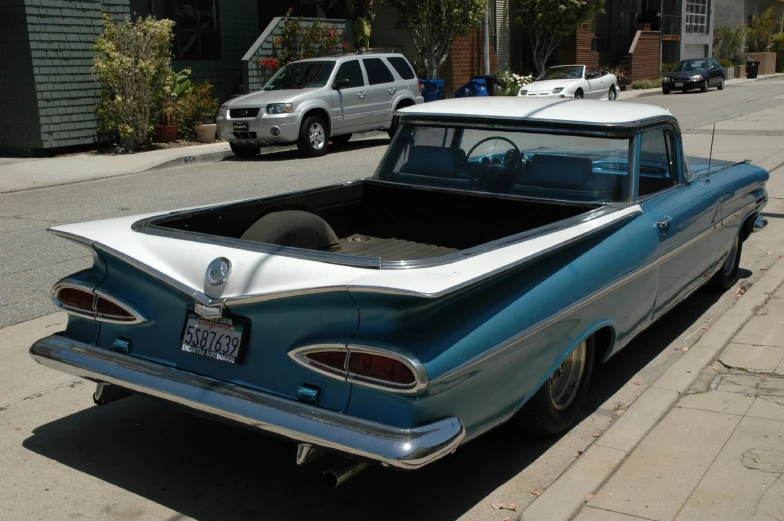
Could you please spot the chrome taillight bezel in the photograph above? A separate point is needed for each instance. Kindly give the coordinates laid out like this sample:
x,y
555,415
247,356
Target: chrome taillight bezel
x,y
300,355
137,317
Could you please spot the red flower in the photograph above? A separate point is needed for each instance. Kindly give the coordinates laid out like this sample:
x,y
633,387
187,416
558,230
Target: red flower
x,y
268,63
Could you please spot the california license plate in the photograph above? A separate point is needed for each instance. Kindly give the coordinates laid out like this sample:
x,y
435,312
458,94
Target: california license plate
x,y
241,126
220,339
677,85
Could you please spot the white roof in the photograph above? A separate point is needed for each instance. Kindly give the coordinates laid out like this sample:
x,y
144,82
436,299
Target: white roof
x,y
553,109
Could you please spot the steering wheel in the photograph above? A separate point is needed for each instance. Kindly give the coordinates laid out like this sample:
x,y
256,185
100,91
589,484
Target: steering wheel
x,y
492,138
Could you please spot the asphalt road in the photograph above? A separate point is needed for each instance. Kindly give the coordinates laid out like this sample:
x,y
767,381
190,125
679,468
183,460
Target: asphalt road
x,y
136,459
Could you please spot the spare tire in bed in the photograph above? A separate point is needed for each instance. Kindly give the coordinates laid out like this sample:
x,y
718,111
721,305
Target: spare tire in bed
x,y
293,228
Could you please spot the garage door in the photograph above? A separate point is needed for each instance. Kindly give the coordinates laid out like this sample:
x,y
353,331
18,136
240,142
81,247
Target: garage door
x,y
696,51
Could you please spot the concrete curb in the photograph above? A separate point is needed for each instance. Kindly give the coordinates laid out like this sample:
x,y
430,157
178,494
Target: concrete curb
x,y
190,160
735,82
566,496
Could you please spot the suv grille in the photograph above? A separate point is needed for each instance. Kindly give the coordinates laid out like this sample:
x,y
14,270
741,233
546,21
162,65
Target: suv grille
x,y
243,113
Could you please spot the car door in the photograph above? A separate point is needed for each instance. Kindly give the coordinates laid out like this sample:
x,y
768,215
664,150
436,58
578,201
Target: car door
x,y
381,89
684,214
350,102
598,84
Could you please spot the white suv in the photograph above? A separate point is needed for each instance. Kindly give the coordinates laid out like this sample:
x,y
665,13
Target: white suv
x,y
310,102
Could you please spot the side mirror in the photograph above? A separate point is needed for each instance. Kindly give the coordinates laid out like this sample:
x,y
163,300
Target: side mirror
x,y
342,83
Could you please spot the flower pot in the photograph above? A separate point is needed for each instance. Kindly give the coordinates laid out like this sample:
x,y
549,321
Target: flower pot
x,y
165,133
205,133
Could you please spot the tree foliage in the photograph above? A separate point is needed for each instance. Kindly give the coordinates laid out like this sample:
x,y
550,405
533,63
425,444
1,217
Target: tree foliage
x,y
548,21
434,24
729,44
132,65
761,31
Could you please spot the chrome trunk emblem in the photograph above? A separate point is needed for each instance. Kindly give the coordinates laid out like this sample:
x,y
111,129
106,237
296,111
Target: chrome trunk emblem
x,y
218,271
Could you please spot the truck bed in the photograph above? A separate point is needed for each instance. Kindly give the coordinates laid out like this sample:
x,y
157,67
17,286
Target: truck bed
x,y
387,221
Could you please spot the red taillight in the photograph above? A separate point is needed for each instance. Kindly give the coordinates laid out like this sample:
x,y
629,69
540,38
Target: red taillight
x,y
109,309
420,89
331,359
381,368
76,298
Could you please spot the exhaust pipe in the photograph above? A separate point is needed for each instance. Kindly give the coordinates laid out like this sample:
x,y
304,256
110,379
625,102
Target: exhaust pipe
x,y
341,473
106,393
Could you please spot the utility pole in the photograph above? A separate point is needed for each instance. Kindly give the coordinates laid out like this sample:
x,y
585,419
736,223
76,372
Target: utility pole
x,y
486,42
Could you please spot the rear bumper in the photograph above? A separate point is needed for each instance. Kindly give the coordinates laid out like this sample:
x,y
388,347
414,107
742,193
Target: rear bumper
x,y
354,437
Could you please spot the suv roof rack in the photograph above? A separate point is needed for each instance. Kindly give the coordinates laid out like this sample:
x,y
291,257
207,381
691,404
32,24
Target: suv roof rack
x,y
376,50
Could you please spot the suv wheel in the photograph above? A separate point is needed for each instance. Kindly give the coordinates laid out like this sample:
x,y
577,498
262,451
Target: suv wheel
x,y
312,140
244,151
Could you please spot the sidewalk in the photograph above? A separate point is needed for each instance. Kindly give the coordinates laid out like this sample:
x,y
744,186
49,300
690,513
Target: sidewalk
x,y
704,442
642,93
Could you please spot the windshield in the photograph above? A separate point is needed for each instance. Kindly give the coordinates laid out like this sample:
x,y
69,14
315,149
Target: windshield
x,y
302,75
530,164
561,73
690,65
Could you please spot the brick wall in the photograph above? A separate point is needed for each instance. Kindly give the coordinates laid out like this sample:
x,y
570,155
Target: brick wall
x,y
465,59
18,105
584,54
644,56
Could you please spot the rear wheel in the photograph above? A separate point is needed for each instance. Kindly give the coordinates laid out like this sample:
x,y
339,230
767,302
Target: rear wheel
x,y
726,277
312,140
578,94
340,140
555,406
244,150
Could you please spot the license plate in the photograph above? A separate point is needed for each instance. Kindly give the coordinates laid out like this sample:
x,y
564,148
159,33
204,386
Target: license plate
x,y
677,85
241,126
219,339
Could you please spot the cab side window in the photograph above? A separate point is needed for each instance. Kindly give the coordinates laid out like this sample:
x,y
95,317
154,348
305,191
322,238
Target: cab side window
x,y
658,162
377,72
352,72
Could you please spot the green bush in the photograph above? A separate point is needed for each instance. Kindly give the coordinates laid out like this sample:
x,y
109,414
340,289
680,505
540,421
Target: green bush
x,y
195,108
727,64
778,42
646,84
667,67
132,65
509,83
729,44
760,31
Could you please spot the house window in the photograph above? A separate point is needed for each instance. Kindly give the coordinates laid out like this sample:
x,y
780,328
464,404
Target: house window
x,y
196,29
697,12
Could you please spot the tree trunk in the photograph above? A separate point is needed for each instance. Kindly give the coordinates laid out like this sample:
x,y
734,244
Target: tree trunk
x,y
542,46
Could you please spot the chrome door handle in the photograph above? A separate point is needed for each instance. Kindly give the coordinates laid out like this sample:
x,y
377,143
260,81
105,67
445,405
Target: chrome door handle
x,y
391,90
361,94
663,225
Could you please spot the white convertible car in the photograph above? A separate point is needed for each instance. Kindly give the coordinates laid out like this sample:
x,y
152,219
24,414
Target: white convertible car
x,y
573,81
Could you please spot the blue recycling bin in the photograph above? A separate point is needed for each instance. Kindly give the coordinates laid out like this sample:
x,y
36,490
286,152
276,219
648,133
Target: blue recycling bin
x,y
475,87
431,89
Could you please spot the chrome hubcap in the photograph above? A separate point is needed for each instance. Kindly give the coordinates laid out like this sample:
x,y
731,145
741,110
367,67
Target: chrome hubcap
x,y
317,136
565,381
729,264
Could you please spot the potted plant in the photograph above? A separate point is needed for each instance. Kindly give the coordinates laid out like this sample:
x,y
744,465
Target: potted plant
x,y
181,85
196,113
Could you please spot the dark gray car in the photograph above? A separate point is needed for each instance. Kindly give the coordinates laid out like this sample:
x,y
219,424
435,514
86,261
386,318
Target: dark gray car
x,y
698,73
311,102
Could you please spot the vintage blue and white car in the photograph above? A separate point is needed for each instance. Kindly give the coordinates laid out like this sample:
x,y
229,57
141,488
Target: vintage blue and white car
x,y
502,248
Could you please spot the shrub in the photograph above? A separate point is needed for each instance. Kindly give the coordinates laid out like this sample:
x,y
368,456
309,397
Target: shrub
x,y
778,42
667,67
132,65
298,42
195,108
509,83
760,31
727,64
729,44
646,84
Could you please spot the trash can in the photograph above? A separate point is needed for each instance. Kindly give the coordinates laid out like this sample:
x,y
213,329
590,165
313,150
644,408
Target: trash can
x,y
431,89
471,89
490,81
752,68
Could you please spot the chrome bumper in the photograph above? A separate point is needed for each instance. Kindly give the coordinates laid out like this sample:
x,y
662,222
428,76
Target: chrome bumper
x,y
402,448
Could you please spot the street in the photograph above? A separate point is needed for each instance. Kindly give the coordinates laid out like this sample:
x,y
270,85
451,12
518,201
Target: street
x,y
64,458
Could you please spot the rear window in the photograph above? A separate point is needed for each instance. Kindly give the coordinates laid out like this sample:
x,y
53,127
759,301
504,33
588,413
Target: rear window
x,y
402,67
377,72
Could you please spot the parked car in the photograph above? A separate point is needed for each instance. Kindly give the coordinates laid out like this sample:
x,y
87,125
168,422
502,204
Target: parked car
x,y
701,73
310,102
573,81
501,250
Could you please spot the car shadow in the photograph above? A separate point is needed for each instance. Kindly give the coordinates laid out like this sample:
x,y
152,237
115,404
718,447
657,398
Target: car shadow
x,y
213,471
289,154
